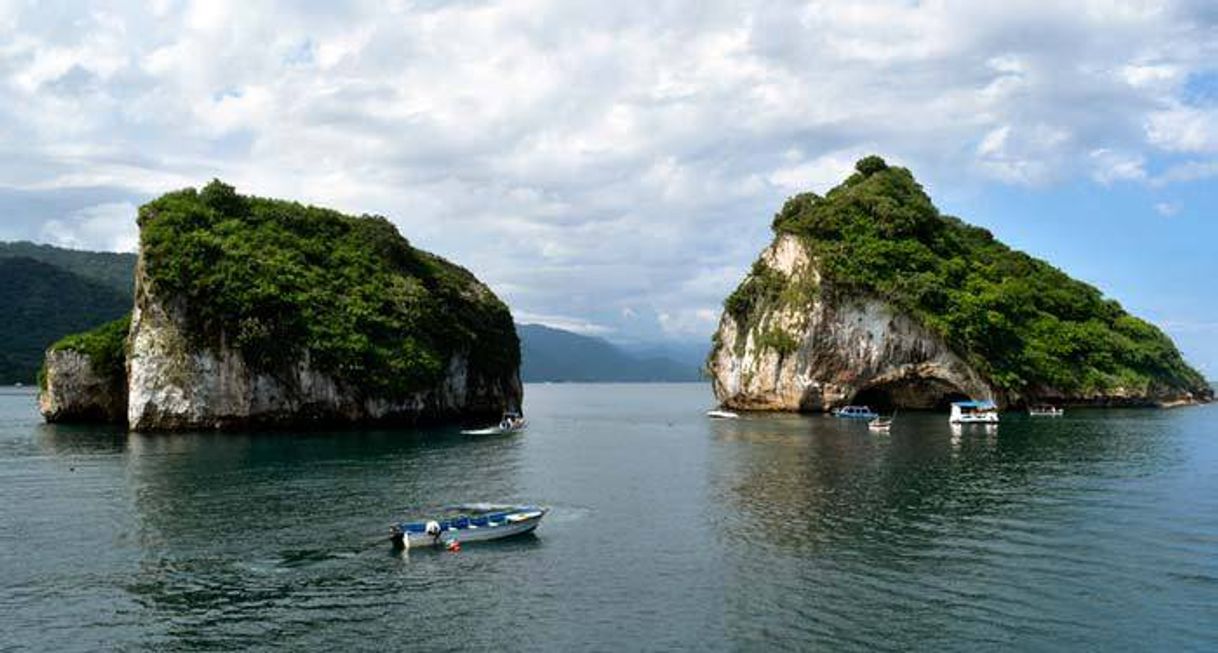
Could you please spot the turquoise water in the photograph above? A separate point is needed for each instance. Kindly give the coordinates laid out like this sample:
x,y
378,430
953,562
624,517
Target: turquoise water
x,y
1097,531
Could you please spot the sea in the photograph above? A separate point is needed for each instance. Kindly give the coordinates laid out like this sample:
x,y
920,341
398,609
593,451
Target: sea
x,y
667,531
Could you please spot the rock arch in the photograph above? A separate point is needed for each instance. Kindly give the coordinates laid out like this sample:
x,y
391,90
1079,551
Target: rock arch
x,y
909,393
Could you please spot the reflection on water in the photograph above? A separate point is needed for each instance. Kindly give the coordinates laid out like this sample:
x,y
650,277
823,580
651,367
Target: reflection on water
x,y
312,512
668,531
933,534
78,439
807,483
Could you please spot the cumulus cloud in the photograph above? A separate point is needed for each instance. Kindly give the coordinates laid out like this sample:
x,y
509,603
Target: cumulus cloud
x,y
818,174
1184,129
564,322
603,165
1112,166
109,226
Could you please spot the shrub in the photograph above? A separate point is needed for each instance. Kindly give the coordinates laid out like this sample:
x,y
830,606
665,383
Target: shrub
x,y
106,347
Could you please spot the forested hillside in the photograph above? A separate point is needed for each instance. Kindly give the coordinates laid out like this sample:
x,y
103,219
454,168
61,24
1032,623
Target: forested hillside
x,y
40,303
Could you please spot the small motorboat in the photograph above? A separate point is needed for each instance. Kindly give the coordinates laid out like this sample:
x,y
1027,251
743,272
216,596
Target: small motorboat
x,y
856,412
512,422
1045,410
880,424
721,414
974,412
472,522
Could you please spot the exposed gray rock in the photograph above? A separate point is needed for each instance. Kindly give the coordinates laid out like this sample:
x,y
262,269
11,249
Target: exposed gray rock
x,y
73,391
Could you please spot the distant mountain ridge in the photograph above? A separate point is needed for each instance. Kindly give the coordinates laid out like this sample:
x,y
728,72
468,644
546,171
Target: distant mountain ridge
x,y
48,292
550,354
111,269
42,302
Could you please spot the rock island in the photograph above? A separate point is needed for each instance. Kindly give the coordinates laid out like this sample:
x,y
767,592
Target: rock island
x,y
869,295
261,312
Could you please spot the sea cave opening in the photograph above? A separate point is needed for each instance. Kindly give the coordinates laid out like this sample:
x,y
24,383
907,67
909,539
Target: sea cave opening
x,y
909,394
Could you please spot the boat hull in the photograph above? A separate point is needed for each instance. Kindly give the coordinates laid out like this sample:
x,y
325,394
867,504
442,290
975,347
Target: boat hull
x,y
494,430
987,419
510,525
471,535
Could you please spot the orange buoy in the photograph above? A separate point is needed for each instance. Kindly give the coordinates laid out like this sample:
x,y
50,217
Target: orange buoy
x,y
454,546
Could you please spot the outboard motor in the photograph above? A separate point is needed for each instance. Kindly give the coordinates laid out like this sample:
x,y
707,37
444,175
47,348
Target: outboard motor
x,y
433,529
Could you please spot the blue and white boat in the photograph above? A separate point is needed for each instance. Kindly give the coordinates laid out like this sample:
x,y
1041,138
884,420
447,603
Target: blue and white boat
x,y
974,412
856,412
473,522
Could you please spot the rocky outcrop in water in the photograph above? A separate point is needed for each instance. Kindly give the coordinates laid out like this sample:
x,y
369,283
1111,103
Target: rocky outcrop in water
x,y
83,377
73,390
839,349
870,296
175,385
255,312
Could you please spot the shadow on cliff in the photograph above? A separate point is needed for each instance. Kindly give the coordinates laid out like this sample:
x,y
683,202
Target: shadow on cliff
x,y
910,394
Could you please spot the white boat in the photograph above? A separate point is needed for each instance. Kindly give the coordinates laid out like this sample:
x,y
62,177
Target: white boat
x,y
880,424
1045,410
721,414
474,522
856,412
974,412
512,422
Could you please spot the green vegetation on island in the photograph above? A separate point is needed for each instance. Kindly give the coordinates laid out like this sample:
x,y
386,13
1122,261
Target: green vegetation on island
x,y
280,281
1018,320
105,346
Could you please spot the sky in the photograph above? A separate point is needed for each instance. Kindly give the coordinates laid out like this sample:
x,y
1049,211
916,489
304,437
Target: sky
x,y
612,168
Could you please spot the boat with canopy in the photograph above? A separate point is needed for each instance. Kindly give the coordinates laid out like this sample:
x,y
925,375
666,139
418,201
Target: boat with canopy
x,y
974,412
856,412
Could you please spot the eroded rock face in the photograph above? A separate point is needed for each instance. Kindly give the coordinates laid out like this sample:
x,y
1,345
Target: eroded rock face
x,y
75,392
841,349
828,349
173,385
